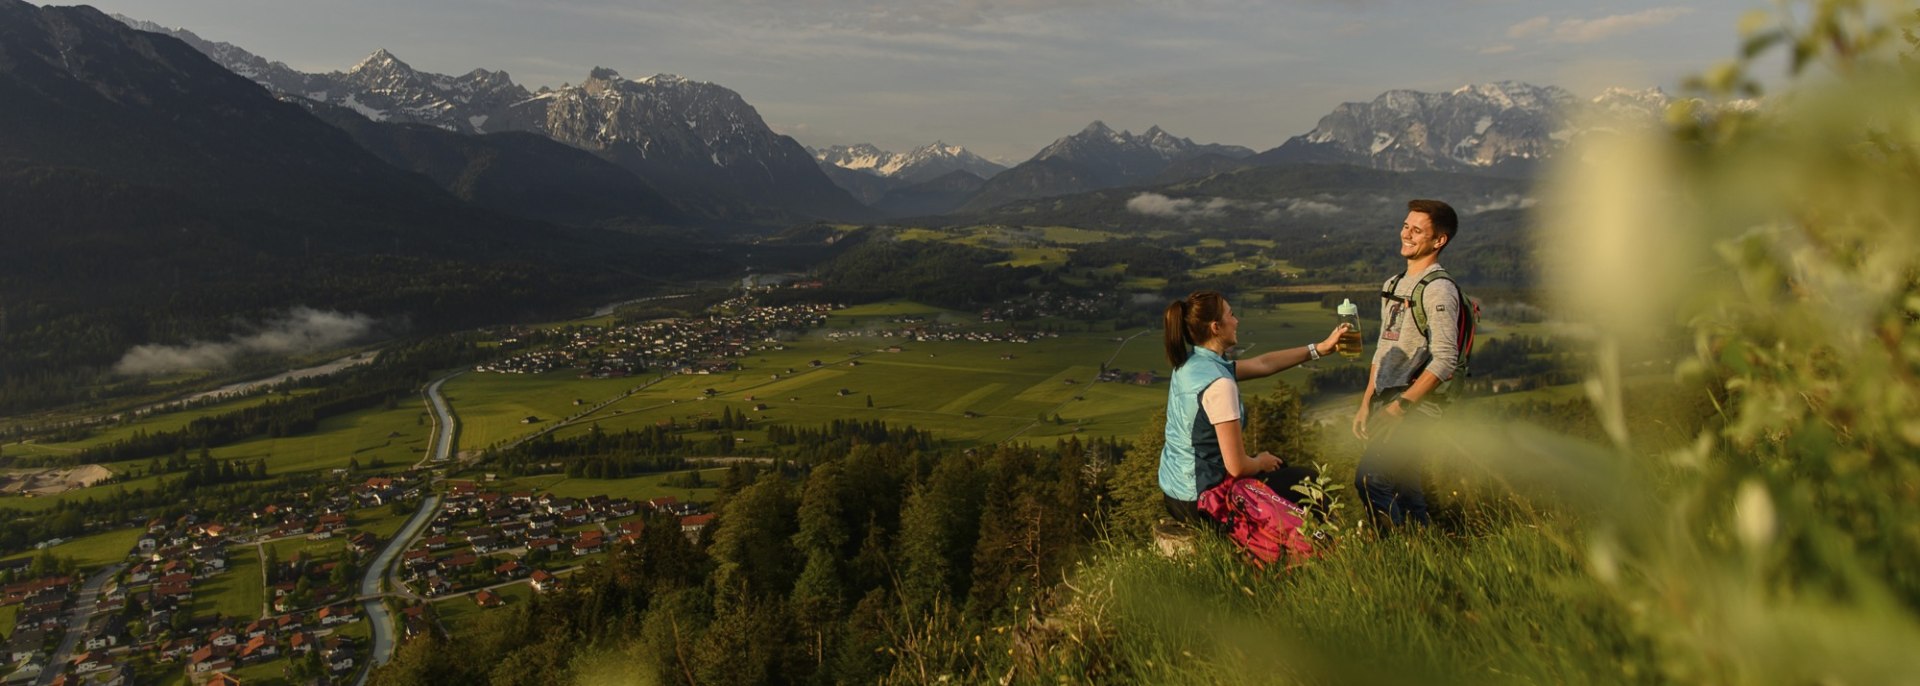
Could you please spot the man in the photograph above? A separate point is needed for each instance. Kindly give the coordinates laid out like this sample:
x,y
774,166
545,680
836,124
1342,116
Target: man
x,y
1409,368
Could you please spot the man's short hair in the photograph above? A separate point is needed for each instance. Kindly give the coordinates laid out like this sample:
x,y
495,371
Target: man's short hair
x,y
1445,222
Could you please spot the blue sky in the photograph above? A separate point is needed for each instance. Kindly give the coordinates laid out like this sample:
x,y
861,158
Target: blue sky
x,y
1003,77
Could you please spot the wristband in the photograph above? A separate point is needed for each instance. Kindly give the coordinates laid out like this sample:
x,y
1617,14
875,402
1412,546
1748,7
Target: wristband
x,y
1313,351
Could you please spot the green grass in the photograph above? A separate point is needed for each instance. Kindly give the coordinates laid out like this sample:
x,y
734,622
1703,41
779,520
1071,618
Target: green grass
x,y
7,615
459,614
1070,236
94,551
933,385
1036,257
238,592
358,630
637,488
890,308
379,521
1211,618
156,423
285,549
397,438
269,672
491,406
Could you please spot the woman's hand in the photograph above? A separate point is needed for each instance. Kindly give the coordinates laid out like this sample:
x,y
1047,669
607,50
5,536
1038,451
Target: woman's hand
x,y
1265,464
1333,340
1360,420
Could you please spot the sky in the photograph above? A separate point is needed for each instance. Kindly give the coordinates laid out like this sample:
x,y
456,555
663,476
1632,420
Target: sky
x,y
1004,77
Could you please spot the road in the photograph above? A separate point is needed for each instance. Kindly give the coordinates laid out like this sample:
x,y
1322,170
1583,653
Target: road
x,y
77,622
371,584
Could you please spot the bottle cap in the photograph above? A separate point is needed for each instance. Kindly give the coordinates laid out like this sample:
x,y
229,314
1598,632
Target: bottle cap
x,y
1347,308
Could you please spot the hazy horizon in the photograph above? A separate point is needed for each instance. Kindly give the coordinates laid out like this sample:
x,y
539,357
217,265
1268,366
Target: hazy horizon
x,y
1002,77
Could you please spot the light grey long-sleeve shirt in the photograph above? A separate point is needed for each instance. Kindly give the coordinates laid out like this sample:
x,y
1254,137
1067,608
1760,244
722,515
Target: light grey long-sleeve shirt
x,y
1402,352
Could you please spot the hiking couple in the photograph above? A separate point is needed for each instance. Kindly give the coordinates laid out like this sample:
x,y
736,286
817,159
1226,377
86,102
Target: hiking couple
x,y
1422,317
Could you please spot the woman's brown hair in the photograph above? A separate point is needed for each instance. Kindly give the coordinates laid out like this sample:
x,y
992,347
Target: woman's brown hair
x,y
1186,323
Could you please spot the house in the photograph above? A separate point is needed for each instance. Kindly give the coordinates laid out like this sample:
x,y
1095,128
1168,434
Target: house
x,y
91,661
105,631
261,648
223,679
206,659
544,582
510,569
224,639
588,543
548,544
337,614
301,643
176,649
486,599
363,543
26,643
692,525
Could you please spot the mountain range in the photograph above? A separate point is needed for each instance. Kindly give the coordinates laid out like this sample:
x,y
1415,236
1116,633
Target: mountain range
x,y
1504,128
151,194
1097,157
708,152
695,140
924,163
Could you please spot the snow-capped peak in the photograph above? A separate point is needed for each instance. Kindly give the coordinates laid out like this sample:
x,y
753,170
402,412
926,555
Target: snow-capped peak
x,y
923,163
380,60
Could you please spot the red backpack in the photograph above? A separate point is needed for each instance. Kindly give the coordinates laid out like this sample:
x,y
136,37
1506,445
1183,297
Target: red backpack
x,y
1264,524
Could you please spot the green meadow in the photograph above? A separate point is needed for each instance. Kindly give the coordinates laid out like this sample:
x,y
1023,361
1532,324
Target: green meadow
x,y
457,614
637,488
491,407
238,592
93,551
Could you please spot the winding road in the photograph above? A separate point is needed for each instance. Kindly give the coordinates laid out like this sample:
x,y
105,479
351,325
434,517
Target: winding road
x,y
372,585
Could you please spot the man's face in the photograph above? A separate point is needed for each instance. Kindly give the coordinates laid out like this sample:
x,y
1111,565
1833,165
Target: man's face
x,y
1417,237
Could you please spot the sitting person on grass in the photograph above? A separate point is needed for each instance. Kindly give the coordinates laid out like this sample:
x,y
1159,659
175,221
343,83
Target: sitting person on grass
x,y
1205,435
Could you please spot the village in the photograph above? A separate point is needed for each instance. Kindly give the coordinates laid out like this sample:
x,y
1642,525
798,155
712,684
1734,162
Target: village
x,y
213,598
681,346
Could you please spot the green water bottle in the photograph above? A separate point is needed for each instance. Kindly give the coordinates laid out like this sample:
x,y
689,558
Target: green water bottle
x,y
1351,344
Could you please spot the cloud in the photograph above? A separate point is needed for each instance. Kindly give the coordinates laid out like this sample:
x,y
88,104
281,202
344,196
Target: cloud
x,y
1185,209
1508,202
1590,30
1528,27
1191,209
1303,206
301,330
1497,49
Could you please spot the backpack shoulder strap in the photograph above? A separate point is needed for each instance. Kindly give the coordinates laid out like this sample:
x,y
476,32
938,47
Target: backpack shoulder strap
x,y
1419,297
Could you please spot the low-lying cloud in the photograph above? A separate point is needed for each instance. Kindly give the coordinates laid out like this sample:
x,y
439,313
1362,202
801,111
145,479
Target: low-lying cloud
x,y
301,330
1508,202
1192,209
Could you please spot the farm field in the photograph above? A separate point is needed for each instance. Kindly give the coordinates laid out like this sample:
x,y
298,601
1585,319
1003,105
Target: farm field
x,y
491,406
154,423
634,488
397,438
8,613
94,551
965,391
238,592
459,613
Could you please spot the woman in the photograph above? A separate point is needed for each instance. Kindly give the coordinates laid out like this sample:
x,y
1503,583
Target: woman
x,y
1205,431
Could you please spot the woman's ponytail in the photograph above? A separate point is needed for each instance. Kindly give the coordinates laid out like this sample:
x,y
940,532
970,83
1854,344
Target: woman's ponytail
x,y
1186,322
1176,332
